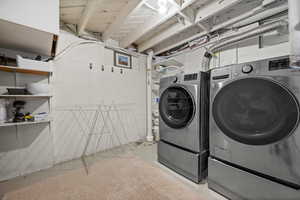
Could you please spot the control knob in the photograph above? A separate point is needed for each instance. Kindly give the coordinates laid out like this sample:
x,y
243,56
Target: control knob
x,y
247,69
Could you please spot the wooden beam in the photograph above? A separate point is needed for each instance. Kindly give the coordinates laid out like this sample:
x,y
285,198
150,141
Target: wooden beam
x,y
115,26
23,70
87,14
188,13
163,35
152,24
202,15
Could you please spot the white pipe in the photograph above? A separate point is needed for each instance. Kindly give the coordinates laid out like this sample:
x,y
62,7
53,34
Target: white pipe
x,y
248,34
265,14
294,26
238,38
261,13
149,137
240,18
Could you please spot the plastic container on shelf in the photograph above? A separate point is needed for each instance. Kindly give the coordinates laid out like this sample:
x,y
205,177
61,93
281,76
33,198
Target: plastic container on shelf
x,y
38,88
33,64
41,116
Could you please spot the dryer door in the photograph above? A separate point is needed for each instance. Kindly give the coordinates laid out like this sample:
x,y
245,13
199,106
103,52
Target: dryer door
x,y
255,111
176,107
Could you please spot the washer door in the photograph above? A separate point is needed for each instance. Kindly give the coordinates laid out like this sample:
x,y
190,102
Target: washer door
x,y
176,107
255,111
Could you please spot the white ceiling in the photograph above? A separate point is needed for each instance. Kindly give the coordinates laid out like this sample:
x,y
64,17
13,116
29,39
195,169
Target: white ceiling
x,y
139,22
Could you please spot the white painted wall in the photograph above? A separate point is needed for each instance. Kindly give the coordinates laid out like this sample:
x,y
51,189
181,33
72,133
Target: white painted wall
x,y
32,148
76,84
41,15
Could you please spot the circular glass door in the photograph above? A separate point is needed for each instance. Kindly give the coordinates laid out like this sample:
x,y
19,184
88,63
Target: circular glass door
x,y
255,111
176,107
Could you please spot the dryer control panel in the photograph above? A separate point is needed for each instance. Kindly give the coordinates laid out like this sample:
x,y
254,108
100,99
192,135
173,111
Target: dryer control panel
x,y
279,64
190,77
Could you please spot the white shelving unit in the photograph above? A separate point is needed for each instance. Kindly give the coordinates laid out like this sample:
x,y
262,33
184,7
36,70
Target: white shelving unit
x,y
25,96
7,124
46,73
24,70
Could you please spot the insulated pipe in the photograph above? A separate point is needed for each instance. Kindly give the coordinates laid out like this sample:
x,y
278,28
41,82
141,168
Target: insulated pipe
x,y
265,14
249,34
260,12
254,15
294,27
238,38
149,137
242,17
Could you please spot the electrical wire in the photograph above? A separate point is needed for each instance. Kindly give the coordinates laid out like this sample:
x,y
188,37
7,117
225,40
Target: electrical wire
x,y
73,45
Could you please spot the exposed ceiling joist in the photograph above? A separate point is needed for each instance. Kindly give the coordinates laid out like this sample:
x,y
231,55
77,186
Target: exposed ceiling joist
x,y
152,24
204,27
162,36
185,38
86,15
114,27
175,2
188,14
201,15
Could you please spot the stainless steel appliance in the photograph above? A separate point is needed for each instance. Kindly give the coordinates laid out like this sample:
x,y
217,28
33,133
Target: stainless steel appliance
x,y
183,126
254,130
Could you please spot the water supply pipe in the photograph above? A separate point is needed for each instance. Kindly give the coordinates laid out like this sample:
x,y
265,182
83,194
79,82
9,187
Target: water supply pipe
x,y
230,40
150,136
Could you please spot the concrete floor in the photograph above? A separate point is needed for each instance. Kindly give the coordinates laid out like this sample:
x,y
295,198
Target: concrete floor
x,y
146,152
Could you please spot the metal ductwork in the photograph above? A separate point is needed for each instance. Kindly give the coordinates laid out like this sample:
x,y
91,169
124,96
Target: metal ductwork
x,y
294,27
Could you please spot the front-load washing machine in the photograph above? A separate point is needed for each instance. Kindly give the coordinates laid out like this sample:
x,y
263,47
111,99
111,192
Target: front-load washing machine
x,y
254,130
183,126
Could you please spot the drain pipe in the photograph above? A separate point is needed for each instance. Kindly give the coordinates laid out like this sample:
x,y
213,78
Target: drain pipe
x,y
294,27
238,38
149,137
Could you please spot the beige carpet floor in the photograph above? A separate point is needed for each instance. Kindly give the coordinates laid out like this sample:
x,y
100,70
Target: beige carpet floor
x,y
122,178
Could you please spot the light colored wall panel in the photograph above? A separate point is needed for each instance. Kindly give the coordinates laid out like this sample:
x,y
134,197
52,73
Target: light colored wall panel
x,y
78,92
228,57
9,153
253,52
36,148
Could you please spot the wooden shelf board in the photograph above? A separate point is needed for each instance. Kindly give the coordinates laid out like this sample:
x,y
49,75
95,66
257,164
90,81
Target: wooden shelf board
x,y
24,70
23,123
25,96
